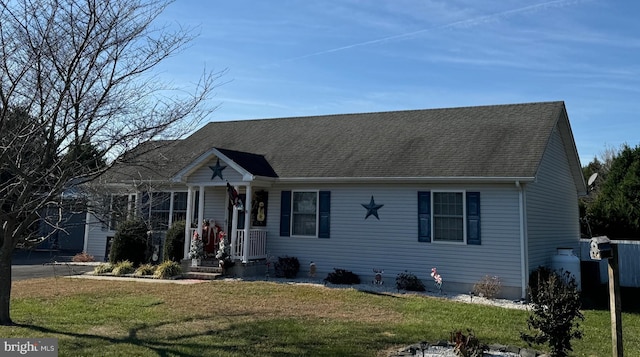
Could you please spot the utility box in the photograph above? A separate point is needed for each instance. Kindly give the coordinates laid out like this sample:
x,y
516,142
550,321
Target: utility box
x,y
600,248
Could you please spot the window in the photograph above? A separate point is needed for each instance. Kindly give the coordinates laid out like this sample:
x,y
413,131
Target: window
x,y
161,209
121,208
179,212
448,217
451,216
305,213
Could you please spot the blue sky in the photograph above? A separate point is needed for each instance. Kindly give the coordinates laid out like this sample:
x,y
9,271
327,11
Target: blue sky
x,y
300,58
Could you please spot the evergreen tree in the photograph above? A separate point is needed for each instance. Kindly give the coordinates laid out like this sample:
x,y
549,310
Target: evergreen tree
x,y
615,211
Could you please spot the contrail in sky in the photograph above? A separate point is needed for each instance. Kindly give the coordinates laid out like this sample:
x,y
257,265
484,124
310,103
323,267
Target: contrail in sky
x,y
462,23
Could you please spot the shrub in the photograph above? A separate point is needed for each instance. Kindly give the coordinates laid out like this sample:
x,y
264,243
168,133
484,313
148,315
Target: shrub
x,y
82,258
287,267
488,287
145,269
341,276
467,345
537,277
123,267
174,242
410,282
129,243
103,268
167,269
556,306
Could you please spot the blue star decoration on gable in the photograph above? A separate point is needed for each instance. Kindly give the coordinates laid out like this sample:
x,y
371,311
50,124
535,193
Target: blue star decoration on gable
x,y
217,170
372,209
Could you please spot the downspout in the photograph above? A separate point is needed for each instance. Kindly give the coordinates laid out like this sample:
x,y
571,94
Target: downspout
x,y
85,244
523,242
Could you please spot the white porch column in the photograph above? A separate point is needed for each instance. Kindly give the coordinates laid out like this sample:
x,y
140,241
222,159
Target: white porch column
x,y
234,226
200,210
247,225
171,208
189,219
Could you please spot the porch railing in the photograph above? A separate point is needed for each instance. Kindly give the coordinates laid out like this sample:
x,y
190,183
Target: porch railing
x,y
257,245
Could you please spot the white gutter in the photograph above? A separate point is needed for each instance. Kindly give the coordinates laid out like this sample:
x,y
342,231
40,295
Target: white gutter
x,y
523,242
436,179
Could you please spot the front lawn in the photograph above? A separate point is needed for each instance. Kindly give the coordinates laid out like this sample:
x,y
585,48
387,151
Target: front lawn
x,y
239,318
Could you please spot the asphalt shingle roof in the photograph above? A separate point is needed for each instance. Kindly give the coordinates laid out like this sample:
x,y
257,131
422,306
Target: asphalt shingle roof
x,y
484,141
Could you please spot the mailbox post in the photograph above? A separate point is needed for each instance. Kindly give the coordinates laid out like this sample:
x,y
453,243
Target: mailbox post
x,y
602,248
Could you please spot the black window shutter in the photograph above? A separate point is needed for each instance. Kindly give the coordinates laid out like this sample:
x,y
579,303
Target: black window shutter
x,y
424,216
285,214
473,218
325,208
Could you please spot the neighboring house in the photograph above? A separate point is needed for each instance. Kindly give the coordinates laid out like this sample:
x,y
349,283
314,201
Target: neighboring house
x,y
474,191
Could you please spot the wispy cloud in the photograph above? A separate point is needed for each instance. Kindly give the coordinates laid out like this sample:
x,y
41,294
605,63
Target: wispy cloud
x,y
466,23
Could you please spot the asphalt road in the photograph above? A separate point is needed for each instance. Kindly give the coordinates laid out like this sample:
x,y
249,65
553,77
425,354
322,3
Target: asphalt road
x,y
43,264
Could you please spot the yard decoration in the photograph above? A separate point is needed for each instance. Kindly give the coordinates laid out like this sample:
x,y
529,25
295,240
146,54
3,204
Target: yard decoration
x,y
372,208
217,170
234,197
312,270
437,279
377,278
224,251
197,249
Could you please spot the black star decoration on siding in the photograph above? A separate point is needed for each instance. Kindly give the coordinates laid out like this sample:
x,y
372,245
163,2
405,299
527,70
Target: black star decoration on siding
x,y
217,170
372,209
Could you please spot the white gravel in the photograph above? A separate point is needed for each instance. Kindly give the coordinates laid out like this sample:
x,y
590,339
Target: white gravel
x,y
391,290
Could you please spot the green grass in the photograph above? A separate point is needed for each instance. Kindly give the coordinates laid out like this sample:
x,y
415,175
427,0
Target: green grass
x,y
231,318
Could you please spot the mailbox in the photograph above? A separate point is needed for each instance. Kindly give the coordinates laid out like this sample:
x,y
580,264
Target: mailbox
x,y
600,248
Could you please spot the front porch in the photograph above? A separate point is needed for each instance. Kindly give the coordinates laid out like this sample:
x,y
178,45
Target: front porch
x,y
243,250
226,191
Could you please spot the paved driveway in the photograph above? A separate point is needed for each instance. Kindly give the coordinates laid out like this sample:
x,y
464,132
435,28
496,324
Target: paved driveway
x,y
44,264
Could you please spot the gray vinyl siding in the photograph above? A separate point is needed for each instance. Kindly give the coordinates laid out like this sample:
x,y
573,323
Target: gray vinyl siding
x,y
391,243
96,238
215,205
204,173
552,207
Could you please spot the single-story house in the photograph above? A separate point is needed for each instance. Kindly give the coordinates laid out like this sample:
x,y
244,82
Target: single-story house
x,y
473,191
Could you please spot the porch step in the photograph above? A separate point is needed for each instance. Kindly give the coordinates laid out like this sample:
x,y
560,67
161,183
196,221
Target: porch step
x,y
205,269
201,275
202,272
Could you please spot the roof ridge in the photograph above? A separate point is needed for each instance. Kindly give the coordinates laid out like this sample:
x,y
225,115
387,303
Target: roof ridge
x,y
390,111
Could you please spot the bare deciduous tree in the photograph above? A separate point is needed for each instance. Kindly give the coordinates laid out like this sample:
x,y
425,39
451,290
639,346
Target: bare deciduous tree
x,y
76,73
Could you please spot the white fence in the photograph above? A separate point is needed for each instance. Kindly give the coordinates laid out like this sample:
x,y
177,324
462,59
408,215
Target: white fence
x,y
628,260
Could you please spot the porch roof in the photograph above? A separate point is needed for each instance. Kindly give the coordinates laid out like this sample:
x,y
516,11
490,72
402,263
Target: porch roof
x,y
247,164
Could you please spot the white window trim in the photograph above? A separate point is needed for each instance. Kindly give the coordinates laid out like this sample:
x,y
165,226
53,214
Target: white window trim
x,y
464,218
317,192
131,206
171,204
